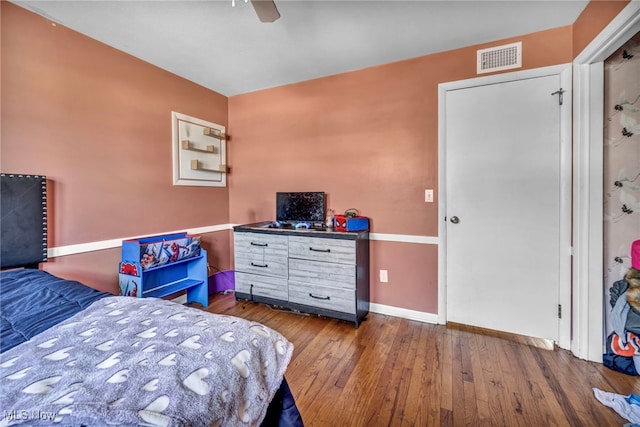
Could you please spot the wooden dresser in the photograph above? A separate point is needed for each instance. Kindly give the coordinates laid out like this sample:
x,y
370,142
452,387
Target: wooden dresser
x,y
321,272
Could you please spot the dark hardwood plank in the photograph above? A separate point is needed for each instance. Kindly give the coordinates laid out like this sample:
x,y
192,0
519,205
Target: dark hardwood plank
x,y
397,372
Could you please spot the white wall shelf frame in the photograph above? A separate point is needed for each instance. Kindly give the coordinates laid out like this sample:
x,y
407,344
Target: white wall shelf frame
x,y
201,143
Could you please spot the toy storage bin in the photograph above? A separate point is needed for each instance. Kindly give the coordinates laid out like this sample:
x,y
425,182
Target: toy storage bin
x,y
159,266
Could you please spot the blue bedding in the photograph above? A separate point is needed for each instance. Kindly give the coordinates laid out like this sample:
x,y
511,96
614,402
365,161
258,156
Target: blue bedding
x,y
32,301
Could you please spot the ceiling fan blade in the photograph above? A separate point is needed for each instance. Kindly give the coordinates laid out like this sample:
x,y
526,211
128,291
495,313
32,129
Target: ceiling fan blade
x,y
266,10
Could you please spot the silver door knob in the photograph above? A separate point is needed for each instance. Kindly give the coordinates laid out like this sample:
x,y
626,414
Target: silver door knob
x,y
455,219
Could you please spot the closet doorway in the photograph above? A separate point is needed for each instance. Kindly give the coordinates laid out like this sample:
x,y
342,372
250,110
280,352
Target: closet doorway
x,y
588,290
621,163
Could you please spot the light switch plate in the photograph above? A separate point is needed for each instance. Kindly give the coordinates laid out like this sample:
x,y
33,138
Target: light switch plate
x,y
428,196
384,276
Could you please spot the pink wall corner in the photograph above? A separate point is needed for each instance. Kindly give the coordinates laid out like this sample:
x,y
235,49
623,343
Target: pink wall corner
x,y
219,250
97,123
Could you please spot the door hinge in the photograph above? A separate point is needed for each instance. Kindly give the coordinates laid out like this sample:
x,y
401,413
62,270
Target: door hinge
x,y
559,92
559,311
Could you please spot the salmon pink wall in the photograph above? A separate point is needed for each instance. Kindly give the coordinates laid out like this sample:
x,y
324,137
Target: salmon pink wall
x,y
411,268
369,139
592,21
97,123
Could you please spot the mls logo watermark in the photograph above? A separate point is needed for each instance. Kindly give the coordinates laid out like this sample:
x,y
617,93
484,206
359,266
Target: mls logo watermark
x,y
24,415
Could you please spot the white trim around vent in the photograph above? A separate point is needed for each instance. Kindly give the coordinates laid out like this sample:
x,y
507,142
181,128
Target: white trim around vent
x,y
499,58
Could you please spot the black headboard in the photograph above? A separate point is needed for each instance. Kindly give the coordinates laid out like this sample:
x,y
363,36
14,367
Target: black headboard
x,y
23,220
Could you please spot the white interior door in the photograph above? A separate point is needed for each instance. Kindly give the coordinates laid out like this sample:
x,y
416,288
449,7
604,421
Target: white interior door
x,y
503,199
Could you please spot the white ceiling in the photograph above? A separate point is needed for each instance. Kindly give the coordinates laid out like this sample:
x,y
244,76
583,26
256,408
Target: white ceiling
x,y
228,50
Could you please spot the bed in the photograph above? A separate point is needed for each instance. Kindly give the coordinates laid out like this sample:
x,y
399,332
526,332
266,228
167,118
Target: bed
x,y
72,355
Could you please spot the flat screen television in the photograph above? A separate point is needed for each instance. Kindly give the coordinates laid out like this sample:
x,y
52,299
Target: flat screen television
x,y
300,207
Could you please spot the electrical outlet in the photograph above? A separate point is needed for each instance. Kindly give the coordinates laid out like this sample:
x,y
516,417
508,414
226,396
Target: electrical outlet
x,y
428,196
384,276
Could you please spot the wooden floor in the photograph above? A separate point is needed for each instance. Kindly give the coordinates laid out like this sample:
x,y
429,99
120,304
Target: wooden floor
x,y
393,372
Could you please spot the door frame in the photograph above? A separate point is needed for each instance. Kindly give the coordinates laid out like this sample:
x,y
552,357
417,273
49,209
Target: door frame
x,y
564,297
588,124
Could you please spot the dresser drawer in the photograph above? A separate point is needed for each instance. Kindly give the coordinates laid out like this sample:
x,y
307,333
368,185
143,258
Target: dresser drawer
x,y
254,243
261,254
322,273
253,284
262,264
322,249
343,300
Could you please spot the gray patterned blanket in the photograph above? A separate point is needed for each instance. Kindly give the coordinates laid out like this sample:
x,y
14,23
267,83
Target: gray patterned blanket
x,y
131,361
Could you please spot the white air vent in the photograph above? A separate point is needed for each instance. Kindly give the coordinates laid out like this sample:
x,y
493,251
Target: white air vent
x,y
500,58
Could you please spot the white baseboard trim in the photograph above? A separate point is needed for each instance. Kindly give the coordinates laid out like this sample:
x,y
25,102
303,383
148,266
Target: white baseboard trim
x,y
404,313
388,310
116,243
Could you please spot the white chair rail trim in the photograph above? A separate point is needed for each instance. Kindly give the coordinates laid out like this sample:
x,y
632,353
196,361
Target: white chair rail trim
x,y
116,243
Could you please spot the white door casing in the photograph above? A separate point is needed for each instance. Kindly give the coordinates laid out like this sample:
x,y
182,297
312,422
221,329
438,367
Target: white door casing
x,y
588,124
489,241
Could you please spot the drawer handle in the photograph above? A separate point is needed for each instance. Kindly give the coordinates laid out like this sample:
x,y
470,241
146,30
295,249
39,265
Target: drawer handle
x,y
313,296
259,265
259,244
320,250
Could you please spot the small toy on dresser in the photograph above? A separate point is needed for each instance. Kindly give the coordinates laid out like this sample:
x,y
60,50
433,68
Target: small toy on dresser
x,y
351,221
